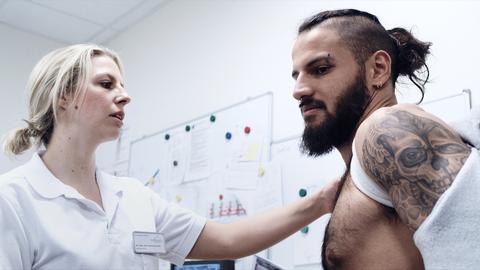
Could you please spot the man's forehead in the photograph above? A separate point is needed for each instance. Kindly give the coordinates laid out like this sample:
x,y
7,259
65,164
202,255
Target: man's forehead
x,y
316,40
323,32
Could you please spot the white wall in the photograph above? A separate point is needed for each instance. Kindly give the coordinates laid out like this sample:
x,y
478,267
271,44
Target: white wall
x,y
19,51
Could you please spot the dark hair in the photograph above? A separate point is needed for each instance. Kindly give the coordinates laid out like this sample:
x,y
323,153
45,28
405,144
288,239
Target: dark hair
x,y
364,35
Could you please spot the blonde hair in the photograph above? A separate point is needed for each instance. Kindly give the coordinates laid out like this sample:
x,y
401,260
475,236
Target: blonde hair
x,y
61,73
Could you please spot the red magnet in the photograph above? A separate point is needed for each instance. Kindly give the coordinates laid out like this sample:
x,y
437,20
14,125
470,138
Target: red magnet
x,y
247,130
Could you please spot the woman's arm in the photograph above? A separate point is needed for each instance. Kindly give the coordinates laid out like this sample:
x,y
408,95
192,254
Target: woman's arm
x,y
253,234
14,247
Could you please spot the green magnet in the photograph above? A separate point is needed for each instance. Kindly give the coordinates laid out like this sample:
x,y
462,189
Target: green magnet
x,y
302,192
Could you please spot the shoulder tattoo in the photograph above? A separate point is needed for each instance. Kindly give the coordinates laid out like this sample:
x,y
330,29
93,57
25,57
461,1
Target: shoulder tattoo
x,y
415,159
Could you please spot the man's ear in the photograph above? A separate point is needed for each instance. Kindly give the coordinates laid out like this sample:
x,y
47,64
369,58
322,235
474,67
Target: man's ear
x,y
379,70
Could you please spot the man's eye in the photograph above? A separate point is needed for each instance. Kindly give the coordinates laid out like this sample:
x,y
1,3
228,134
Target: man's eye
x,y
106,84
320,70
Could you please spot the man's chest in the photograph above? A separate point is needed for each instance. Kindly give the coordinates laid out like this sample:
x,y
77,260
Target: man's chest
x,y
354,211
361,229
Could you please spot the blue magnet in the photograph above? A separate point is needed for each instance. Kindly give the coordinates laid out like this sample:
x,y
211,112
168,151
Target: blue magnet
x,y
302,192
167,137
304,230
187,128
228,135
213,118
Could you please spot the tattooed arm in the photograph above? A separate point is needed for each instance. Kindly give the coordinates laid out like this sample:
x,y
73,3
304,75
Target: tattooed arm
x,y
413,155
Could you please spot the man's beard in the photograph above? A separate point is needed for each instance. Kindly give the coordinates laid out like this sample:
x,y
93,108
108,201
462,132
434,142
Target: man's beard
x,y
336,129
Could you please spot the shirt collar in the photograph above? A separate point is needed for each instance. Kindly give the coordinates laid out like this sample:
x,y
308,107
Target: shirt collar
x,y
48,186
108,183
42,180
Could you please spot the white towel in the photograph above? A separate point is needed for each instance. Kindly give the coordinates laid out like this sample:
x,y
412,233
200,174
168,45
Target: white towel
x,y
469,127
449,238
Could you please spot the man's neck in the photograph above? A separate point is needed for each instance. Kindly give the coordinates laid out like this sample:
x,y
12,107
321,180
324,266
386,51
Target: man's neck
x,y
375,103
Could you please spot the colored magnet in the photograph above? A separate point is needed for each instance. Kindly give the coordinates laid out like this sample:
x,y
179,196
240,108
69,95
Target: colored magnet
x,y
175,163
167,137
228,135
220,197
187,128
304,230
247,130
302,192
178,198
213,118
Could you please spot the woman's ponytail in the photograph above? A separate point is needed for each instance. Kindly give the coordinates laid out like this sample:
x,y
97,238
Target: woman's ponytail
x,y
19,141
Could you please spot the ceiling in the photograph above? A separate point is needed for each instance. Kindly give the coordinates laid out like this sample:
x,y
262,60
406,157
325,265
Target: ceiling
x,y
76,21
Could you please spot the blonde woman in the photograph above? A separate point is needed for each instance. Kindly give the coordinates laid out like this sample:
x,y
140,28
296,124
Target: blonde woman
x,y
59,212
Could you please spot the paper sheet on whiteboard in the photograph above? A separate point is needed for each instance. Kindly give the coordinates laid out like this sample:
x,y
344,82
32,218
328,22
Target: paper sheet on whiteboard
x,y
199,166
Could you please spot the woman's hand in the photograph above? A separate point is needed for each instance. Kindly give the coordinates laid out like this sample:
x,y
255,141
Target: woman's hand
x,y
327,196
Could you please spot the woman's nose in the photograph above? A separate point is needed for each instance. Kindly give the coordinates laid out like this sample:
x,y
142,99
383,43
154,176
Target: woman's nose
x,y
123,98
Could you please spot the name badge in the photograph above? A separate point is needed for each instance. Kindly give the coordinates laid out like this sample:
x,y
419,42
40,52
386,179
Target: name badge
x,y
148,243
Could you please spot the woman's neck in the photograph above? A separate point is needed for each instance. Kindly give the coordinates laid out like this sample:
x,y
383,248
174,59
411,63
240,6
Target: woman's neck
x,y
72,161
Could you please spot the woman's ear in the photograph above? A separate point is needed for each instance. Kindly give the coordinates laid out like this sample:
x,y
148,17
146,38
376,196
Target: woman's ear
x,y
380,66
64,101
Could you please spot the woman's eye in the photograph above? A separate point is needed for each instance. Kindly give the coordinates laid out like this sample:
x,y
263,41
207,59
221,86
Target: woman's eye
x,y
106,84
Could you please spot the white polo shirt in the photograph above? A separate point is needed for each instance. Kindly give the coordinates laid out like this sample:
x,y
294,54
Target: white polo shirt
x,y
45,224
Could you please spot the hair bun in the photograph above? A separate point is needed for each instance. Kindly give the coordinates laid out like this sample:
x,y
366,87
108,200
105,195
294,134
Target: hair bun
x,y
411,56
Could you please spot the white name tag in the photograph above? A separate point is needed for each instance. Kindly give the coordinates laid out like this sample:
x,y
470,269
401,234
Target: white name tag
x,y
148,243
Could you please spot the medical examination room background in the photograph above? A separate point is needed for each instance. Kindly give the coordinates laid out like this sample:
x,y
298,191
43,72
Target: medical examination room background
x,y
188,60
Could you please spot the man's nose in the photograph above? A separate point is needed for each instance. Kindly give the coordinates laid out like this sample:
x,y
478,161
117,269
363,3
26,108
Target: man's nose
x,y
302,88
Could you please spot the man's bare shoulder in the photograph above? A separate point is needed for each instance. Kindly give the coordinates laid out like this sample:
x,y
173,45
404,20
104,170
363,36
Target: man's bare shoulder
x,y
413,155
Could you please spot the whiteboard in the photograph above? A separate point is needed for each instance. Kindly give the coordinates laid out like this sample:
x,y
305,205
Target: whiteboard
x,y
299,171
216,165
216,160
450,108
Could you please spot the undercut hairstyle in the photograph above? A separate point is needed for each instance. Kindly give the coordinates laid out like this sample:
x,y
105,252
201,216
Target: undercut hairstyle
x,y
363,35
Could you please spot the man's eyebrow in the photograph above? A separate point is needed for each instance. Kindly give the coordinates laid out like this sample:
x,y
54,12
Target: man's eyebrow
x,y
326,59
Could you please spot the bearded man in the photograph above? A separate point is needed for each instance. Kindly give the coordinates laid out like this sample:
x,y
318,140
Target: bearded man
x,y
400,159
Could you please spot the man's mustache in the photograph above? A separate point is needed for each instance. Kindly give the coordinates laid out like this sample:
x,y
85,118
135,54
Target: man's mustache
x,y
308,103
